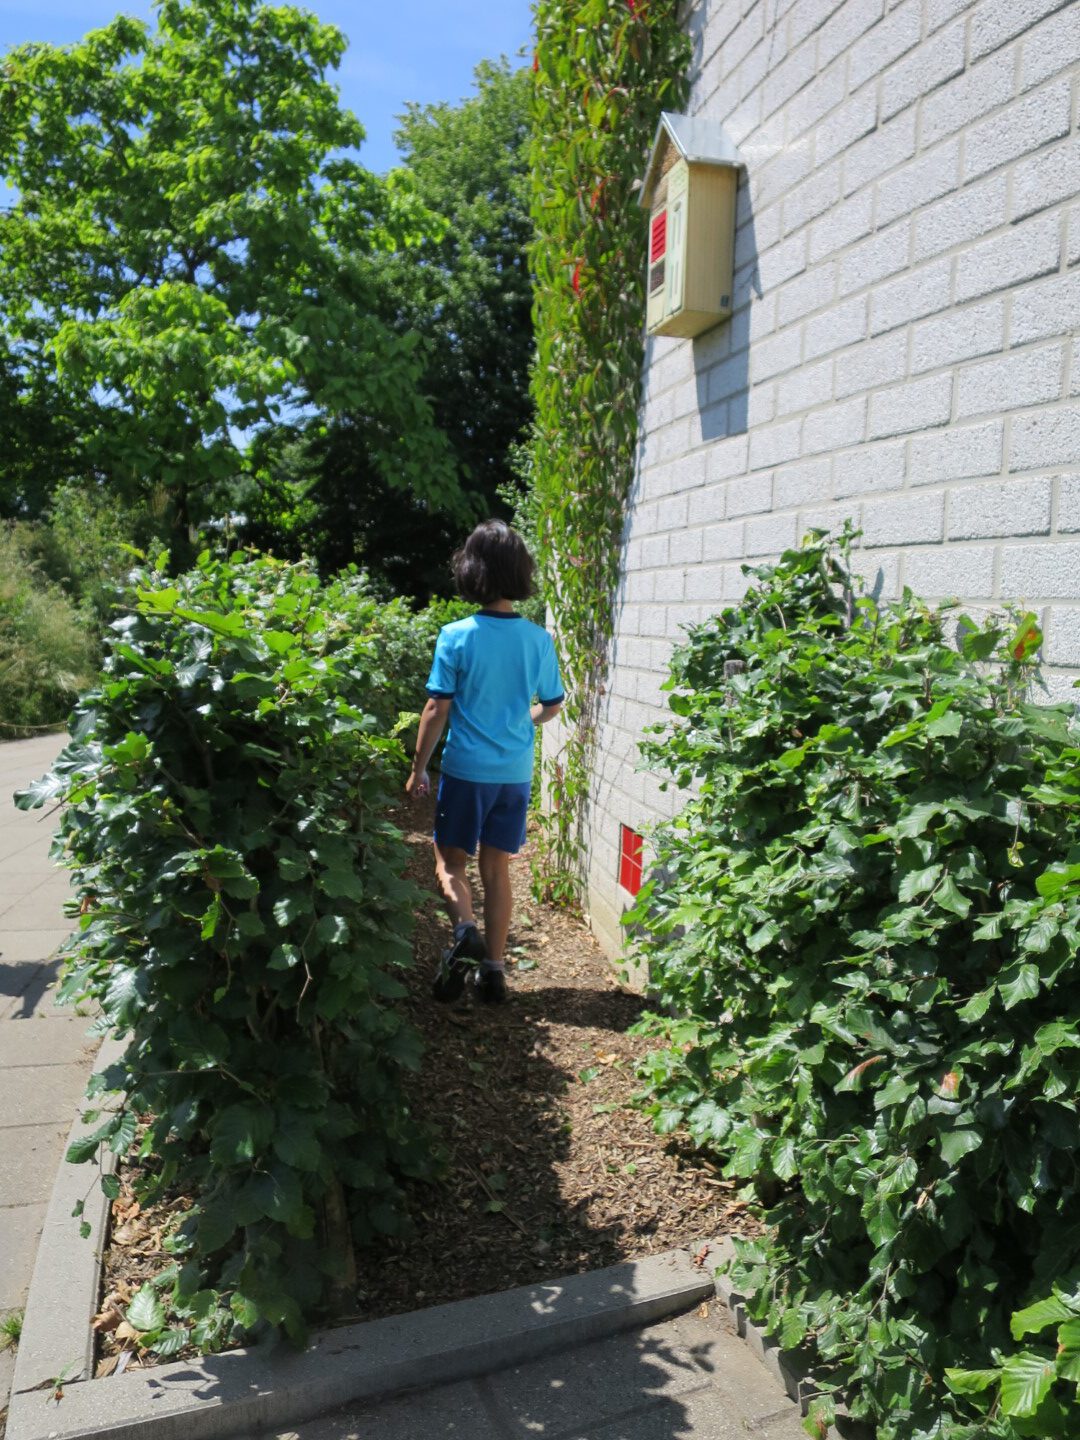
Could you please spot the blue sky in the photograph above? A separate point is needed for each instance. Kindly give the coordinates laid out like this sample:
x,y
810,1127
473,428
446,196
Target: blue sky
x,y
421,50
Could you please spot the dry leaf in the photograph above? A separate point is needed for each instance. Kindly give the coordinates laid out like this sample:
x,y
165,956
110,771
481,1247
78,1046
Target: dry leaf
x,y
703,1310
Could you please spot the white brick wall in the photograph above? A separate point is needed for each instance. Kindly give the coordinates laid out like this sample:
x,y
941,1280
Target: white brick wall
x,y
902,351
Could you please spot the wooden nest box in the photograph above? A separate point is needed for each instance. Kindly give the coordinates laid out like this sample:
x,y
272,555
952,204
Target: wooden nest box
x,y
689,191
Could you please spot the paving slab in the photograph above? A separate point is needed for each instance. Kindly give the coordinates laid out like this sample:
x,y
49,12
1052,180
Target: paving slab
x,y
48,1037
38,1095
20,1227
589,1385
30,1152
452,1412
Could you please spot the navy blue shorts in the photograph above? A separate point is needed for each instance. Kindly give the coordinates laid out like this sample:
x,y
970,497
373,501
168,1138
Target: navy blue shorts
x,y
468,812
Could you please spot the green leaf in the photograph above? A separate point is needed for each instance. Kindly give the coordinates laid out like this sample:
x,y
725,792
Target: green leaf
x,y
955,1144
1019,983
146,1312
1025,1382
971,1382
1038,1316
239,1133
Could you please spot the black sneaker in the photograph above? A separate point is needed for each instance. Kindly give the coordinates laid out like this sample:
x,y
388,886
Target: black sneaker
x,y
490,985
455,963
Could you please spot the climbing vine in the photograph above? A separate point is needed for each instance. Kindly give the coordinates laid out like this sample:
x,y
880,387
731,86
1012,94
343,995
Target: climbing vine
x,y
604,70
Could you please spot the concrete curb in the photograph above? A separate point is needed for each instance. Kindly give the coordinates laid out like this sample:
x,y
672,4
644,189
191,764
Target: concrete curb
x,y
245,1390
56,1336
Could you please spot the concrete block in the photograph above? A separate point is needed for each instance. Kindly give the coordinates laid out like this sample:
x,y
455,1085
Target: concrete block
x,y
774,355
781,262
871,470
958,219
924,70
1026,125
671,512
684,548
809,16
787,78
1068,504
806,293
770,534
838,34
886,42
1052,46
1015,507
812,198
705,583
1041,572
805,110
883,150
842,324
883,254
880,573
966,572
808,483
773,444
831,518
920,292
1060,687
724,542
956,335
916,405
1023,377
871,364
995,21
963,100
1045,438
957,453
925,179
857,117
804,388
706,506
727,457
844,224
1046,179
835,427
749,495
1023,253
1062,645
910,520
940,12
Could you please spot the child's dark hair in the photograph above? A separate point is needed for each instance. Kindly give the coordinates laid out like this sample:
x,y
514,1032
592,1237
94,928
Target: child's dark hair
x,y
493,564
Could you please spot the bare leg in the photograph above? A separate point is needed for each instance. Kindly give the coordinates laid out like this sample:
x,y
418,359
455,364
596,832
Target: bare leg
x,y
498,899
450,862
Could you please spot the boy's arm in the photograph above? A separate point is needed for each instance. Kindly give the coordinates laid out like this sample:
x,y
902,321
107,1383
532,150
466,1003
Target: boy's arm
x,y
542,713
432,724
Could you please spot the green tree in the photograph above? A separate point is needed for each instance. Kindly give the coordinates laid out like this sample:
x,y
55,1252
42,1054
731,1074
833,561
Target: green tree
x,y
189,262
465,290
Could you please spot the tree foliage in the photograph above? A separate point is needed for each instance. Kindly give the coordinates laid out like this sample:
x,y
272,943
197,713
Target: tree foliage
x,y
868,916
245,925
464,292
187,280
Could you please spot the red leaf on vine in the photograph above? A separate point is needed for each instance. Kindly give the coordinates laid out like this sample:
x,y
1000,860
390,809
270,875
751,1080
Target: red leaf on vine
x,y
536,60
575,282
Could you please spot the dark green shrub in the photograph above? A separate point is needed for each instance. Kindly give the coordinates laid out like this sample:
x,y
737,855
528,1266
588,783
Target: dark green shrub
x,y
868,917
246,924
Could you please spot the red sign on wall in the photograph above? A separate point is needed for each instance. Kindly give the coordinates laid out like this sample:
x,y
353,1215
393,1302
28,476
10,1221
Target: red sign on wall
x,y
630,860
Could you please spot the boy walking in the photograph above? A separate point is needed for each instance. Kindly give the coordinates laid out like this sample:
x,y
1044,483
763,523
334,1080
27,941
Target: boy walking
x,y
487,670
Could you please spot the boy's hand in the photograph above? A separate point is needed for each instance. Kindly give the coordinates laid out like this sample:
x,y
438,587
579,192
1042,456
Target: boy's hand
x,y
418,784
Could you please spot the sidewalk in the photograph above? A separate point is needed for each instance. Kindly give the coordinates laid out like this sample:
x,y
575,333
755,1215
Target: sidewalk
x,y
45,1054
690,1378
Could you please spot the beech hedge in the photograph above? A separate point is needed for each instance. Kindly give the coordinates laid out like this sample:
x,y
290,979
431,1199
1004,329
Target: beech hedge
x,y
867,920
245,926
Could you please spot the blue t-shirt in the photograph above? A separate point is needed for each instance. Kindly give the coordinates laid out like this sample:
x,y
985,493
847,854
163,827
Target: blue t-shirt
x,y
490,666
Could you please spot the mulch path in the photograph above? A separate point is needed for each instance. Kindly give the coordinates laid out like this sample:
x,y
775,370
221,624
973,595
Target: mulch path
x,y
551,1171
